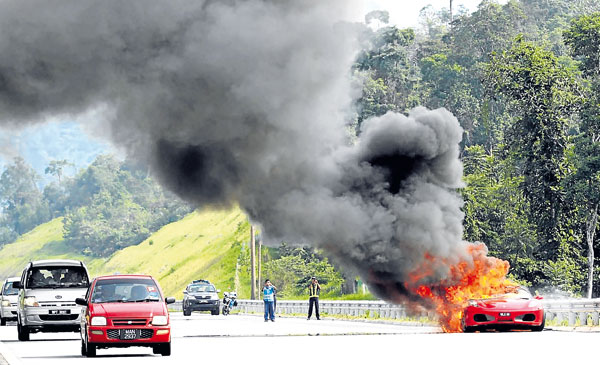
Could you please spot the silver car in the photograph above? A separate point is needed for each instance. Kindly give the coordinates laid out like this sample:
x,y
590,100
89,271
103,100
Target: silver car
x,y
9,296
48,289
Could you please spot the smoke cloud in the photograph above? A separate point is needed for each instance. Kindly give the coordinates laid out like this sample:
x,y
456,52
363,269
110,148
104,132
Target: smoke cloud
x,y
247,102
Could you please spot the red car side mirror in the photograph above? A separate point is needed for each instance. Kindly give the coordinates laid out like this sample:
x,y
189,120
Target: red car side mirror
x,y
538,297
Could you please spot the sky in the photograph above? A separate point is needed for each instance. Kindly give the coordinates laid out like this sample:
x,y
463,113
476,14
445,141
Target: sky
x,y
57,139
405,13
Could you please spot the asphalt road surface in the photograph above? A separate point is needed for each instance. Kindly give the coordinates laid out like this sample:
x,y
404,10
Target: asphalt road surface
x,y
239,339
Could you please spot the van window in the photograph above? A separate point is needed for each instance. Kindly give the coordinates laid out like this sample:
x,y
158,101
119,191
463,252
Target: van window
x,y
8,289
57,277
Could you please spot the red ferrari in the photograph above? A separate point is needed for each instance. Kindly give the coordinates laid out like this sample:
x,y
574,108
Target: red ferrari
x,y
515,309
125,311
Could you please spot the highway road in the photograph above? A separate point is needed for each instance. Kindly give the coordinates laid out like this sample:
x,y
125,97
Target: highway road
x,y
239,339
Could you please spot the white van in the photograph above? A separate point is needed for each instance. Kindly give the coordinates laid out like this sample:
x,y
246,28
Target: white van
x,y
9,296
48,289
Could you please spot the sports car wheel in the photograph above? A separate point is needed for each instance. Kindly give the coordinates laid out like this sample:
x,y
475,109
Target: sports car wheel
x,y
187,312
215,312
541,326
465,328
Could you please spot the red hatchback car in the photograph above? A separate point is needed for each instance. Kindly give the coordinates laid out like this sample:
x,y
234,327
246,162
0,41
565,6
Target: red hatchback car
x,y
515,309
125,311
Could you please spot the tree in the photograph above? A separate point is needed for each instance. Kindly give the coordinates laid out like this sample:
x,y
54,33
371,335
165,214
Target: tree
x,y
55,168
583,185
542,94
113,204
21,202
391,78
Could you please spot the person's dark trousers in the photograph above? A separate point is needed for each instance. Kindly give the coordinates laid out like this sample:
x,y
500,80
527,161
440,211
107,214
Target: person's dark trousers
x,y
269,313
313,301
274,304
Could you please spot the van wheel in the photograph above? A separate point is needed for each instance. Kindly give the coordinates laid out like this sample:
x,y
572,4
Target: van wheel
x,y
2,321
23,332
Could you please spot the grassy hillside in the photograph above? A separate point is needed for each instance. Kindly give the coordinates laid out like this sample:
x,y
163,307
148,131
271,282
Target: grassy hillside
x,y
44,241
203,245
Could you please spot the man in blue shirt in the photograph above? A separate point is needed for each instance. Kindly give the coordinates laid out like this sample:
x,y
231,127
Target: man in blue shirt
x,y
268,297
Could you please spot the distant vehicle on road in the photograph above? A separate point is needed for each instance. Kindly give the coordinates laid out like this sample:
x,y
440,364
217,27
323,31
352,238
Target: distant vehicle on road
x,y
229,301
47,297
125,311
9,297
514,309
201,295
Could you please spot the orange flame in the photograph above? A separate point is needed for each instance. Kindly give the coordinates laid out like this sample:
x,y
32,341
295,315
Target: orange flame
x,y
481,278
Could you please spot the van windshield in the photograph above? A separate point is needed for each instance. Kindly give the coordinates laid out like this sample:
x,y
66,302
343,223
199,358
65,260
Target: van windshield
x,y
9,290
57,277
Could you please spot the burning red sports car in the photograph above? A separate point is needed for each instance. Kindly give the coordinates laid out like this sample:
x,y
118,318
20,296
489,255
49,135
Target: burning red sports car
x,y
514,309
124,311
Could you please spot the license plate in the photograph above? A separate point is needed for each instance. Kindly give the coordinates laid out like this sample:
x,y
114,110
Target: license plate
x,y
59,311
130,334
504,314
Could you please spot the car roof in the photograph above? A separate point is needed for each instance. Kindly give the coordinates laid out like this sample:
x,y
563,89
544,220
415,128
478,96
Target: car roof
x,y
125,276
56,263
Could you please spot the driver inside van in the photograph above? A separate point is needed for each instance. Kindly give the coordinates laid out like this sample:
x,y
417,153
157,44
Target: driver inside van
x,y
38,279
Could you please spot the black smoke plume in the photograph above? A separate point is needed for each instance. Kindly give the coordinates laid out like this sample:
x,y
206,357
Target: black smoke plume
x,y
246,102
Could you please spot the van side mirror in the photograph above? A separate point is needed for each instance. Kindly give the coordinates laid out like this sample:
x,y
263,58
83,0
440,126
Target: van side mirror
x,y
17,285
169,300
81,301
218,290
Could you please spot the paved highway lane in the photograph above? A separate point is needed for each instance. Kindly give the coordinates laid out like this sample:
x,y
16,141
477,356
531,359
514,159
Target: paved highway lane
x,y
246,339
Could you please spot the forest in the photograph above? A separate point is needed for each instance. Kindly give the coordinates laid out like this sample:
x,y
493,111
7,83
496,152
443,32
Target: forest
x,y
523,80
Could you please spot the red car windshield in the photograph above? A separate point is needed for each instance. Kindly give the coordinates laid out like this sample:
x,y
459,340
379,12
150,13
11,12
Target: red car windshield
x,y
514,293
125,290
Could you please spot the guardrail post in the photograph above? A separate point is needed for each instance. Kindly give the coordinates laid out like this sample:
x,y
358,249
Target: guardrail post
x,y
595,318
583,317
572,318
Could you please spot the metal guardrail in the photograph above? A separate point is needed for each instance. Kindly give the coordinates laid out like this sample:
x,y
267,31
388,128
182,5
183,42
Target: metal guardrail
x,y
564,311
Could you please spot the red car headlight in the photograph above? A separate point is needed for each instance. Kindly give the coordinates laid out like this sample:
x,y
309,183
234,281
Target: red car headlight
x,y
98,321
159,321
535,304
473,303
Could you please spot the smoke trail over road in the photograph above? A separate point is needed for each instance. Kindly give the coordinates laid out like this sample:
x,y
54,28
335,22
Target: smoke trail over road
x,y
247,102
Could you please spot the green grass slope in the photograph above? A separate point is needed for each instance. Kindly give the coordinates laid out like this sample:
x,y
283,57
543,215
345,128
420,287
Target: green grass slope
x,y
203,245
43,242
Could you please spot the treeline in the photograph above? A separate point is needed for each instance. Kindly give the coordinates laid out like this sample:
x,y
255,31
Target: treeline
x,y
107,206
523,81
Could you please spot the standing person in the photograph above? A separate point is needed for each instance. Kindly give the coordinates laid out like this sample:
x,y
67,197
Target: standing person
x,y
313,291
268,297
